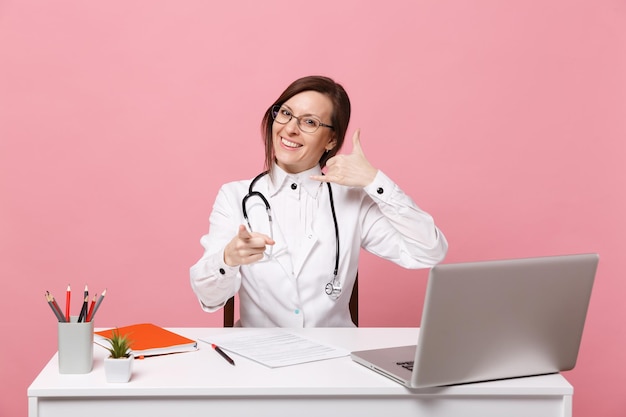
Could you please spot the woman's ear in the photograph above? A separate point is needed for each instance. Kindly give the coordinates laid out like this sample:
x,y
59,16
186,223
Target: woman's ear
x,y
331,144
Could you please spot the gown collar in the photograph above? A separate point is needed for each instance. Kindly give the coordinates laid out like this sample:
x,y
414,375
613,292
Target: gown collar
x,y
281,180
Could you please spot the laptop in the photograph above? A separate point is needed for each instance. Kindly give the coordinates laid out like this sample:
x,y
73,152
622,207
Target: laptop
x,y
492,320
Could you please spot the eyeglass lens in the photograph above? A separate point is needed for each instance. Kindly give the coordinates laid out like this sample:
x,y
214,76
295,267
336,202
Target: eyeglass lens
x,y
283,115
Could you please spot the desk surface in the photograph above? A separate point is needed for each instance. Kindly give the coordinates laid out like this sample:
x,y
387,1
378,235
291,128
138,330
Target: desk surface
x,y
204,374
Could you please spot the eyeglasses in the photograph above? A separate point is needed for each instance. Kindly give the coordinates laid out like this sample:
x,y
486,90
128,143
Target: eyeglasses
x,y
308,124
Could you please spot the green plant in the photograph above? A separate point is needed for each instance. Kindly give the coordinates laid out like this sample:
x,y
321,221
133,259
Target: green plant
x,y
120,345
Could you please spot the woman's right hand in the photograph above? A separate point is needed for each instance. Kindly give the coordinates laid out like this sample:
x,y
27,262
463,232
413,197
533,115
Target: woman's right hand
x,y
246,247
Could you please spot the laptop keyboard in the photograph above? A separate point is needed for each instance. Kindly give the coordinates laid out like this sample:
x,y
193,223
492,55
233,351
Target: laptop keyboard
x,y
406,365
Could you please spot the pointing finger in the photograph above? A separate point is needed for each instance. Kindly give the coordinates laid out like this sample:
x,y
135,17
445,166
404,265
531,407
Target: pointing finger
x,y
243,233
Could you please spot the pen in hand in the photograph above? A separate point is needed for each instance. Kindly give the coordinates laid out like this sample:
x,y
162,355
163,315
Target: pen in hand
x,y
223,354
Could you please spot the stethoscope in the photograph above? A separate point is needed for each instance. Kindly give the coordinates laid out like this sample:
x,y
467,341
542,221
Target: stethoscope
x,y
333,288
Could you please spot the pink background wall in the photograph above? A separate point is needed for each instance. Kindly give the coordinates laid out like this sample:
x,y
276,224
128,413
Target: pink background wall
x,y
120,120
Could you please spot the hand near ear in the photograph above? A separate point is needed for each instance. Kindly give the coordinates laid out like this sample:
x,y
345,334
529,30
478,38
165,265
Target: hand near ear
x,y
353,170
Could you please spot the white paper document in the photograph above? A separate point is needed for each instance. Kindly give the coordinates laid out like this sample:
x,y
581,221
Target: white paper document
x,y
274,347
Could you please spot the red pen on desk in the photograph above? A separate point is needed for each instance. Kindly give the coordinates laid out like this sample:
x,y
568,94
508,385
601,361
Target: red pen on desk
x,y
223,354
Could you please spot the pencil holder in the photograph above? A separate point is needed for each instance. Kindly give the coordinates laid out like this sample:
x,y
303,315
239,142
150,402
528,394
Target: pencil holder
x,y
75,342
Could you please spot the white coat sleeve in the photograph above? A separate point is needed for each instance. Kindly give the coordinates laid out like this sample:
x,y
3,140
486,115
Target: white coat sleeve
x,y
394,217
212,280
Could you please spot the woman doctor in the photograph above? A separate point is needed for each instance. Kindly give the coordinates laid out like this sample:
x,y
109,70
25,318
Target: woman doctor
x,y
288,241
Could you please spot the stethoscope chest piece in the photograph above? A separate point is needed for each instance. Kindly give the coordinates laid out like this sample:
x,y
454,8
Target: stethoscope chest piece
x,y
333,290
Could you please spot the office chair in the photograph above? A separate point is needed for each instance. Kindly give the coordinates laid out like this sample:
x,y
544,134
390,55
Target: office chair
x,y
229,307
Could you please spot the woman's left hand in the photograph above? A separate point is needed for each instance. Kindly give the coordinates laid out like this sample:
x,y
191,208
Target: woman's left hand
x,y
353,170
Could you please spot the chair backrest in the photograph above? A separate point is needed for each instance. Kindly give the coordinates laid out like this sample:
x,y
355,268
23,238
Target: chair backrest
x,y
229,307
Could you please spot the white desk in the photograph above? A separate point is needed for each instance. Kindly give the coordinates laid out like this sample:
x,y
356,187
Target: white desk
x,y
203,383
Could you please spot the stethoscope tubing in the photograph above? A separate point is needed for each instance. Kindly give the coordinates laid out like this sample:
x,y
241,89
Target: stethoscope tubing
x,y
332,288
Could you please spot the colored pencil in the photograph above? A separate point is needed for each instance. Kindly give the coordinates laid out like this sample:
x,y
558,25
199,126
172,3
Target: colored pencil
x,y
83,311
95,310
91,306
55,310
68,297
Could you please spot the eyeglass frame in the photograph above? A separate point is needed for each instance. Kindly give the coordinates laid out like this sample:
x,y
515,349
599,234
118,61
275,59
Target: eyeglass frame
x,y
276,109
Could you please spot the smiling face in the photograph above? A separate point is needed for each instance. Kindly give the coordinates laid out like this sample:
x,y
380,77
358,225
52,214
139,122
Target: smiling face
x,y
295,150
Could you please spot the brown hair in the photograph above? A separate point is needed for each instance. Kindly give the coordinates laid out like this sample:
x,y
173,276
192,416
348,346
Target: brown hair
x,y
339,118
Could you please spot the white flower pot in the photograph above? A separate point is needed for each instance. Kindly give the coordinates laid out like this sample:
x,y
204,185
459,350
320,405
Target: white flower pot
x,y
118,370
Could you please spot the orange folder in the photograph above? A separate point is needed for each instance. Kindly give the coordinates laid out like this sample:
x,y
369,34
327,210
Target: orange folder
x,y
149,339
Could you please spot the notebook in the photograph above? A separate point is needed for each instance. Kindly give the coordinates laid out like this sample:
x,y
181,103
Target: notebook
x,y
493,320
149,339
